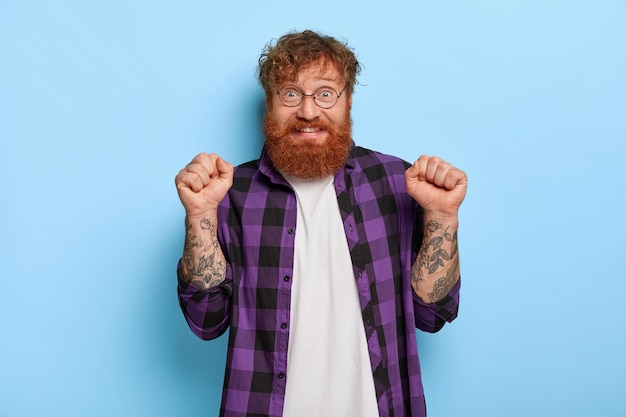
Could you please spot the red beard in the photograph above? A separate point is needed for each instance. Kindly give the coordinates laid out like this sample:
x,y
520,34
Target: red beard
x,y
304,159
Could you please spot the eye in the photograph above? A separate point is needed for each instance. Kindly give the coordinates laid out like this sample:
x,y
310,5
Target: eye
x,y
289,93
325,94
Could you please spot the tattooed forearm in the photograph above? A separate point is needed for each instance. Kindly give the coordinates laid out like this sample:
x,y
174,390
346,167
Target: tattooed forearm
x,y
436,269
203,262
444,284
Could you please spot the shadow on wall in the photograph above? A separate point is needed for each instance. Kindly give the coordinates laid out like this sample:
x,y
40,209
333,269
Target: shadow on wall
x,y
181,365
257,104
245,127
191,367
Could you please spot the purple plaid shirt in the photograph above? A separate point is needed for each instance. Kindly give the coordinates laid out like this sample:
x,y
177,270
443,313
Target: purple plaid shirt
x,y
257,227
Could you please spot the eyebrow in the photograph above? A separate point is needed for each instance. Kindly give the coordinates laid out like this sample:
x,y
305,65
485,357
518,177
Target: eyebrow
x,y
320,80
329,79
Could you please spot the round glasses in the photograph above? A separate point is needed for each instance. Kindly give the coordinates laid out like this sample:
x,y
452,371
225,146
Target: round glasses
x,y
324,97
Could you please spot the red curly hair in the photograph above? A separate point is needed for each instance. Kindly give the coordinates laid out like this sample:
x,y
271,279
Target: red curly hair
x,y
283,60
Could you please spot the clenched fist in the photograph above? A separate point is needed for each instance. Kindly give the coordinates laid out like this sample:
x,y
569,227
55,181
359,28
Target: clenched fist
x,y
436,185
203,184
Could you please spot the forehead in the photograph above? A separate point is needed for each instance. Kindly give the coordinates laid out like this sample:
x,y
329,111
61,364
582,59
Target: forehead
x,y
318,73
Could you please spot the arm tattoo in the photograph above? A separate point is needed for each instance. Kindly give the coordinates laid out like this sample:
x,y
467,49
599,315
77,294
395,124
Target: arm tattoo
x,y
203,260
444,284
439,251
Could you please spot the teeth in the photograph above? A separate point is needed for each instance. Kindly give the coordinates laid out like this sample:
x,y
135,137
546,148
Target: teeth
x,y
309,130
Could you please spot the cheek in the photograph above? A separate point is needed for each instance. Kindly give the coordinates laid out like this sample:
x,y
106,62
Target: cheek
x,y
281,114
338,116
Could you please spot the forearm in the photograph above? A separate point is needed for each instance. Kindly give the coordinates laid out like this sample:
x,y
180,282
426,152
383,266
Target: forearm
x,y
436,269
203,263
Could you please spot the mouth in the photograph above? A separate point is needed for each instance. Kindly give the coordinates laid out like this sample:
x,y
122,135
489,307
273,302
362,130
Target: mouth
x,y
314,133
308,130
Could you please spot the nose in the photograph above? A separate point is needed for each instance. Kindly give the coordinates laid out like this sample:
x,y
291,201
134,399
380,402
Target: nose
x,y
307,109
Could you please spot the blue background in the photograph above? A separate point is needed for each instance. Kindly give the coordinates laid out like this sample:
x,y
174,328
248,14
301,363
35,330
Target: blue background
x,y
101,103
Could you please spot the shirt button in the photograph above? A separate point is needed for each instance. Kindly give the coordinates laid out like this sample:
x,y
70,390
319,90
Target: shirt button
x,y
286,277
283,325
290,231
350,227
281,375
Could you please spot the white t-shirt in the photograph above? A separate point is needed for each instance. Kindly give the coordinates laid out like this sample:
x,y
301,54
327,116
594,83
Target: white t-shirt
x,y
328,365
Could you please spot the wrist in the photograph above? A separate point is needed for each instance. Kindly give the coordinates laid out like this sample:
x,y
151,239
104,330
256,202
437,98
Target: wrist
x,y
443,217
197,217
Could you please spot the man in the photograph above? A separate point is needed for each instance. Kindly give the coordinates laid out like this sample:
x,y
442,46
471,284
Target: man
x,y
322,257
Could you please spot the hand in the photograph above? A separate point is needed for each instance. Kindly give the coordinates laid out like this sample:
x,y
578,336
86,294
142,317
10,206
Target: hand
x,y
203,184
436,185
